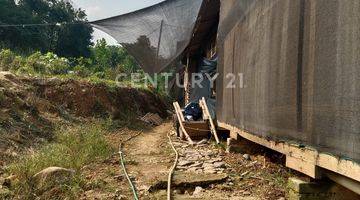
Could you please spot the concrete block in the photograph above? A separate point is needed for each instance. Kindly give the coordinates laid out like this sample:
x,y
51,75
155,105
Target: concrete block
x,y
320,190
229,145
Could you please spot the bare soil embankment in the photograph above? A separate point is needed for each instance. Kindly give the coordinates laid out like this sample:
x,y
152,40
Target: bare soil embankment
x,y
31,108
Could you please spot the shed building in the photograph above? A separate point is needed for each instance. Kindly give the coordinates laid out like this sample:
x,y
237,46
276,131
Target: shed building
x,y
294,72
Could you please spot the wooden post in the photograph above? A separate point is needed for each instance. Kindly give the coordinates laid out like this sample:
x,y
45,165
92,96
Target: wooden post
x,y
186,82
208,116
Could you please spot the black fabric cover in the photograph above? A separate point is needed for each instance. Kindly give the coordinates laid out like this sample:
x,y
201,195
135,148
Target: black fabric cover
x,y
205,69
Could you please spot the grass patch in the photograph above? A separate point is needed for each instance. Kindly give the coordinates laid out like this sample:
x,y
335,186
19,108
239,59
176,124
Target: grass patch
x,y
73,148
221,145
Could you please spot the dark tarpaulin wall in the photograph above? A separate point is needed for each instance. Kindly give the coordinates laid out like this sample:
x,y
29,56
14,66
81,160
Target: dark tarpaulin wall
x,y
156,35
301,76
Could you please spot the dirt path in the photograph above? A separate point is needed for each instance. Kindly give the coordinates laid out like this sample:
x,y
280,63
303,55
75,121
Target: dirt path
x,y
147,157
151,156
204,171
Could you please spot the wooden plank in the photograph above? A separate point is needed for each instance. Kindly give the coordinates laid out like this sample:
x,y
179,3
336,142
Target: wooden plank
x,y
197,129
345,181
208,116
181,121
200,125
178,109
347,168
303,166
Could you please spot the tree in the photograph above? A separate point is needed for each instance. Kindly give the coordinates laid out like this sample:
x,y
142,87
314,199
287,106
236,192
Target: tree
x,y
19,37
71,37
111,57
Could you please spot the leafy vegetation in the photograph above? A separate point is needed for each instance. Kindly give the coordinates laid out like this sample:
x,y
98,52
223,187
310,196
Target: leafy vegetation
x,y
56,41
103,66
105,62
73,148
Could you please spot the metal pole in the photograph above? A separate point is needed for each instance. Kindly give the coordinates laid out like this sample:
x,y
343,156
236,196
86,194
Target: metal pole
x,y
160,35
186,80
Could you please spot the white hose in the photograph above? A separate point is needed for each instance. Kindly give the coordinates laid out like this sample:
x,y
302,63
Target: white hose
x,y
172,169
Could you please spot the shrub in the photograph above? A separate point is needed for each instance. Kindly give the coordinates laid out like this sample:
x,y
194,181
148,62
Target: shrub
x,y
37,63
100,75
34,64
6,59
17,63
82,71
56,65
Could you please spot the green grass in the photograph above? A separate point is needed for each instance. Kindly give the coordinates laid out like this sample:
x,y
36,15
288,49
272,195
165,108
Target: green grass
x,y
73,148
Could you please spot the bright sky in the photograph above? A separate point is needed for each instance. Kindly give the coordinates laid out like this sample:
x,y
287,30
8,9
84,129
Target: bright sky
x,y
100,9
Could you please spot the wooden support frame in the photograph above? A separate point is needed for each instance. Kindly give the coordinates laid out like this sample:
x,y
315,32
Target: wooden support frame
x,y
207,116
181,120
305,160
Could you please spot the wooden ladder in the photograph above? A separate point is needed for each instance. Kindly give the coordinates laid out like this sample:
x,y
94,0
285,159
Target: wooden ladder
x,y
206,116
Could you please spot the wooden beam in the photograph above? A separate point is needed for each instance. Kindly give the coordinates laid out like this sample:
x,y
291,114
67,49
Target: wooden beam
x,y
206,112
306,155
181,119
344,181
303,166
178,112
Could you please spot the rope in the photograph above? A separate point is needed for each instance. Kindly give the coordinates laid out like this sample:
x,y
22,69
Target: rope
x,y
124,168
172,169
3,25
42,24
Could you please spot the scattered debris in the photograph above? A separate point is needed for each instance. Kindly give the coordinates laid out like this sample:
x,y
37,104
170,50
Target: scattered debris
x,y
189,180
153,119
245,173
204,141
52,176
219,165
198,190
185,163
199,159
8,181
246,157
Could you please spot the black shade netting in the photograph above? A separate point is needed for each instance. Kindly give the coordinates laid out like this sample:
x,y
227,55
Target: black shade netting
x,y
157,35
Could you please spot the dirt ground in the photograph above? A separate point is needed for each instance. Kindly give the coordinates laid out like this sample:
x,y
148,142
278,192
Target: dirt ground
x,y
149,157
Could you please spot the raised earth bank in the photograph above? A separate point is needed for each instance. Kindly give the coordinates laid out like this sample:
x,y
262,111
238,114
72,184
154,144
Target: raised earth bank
x,y
32,108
